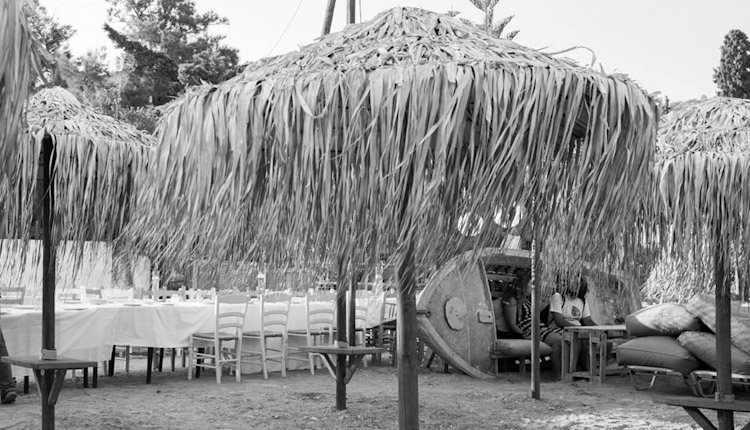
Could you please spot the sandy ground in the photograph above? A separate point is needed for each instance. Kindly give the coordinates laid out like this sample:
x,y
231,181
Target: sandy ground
x,y
302,401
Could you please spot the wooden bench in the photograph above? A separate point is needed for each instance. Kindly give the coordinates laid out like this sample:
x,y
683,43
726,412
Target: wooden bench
x,y
693,406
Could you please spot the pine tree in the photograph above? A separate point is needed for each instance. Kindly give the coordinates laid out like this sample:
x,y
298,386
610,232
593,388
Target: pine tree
x,y
733,74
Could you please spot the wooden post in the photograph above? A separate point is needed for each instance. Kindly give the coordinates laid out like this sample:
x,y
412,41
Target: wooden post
x,y
340,338
406,344
723,336
352,307
44,196
350,11
535,334
328,18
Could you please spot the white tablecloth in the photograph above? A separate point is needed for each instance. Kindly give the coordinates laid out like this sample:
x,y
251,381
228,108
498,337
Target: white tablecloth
x,y
88,332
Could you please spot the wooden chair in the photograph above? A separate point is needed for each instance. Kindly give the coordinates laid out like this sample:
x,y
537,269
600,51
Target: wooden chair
x,y
274,315
90,293
319,330
384,335
222,347
12,295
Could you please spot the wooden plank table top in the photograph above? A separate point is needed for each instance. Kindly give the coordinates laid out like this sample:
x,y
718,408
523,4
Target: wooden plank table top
x,y
34,362
346,350
597,328
692,406
356,353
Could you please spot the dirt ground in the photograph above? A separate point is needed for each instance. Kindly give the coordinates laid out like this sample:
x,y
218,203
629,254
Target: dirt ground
x,y
302,401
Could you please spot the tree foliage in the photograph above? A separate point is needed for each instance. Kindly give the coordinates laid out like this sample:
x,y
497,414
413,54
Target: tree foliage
x,y
170,46
54,37
494,29
733,74
152,77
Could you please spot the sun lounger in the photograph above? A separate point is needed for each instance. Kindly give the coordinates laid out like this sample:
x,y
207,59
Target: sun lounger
x,y
705,381
636,372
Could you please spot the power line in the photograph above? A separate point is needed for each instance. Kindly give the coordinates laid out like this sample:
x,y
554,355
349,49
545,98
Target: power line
x,y
286,28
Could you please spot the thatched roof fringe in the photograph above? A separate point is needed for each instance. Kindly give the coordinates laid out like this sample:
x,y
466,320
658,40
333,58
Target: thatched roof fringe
x,y
96,160
338,142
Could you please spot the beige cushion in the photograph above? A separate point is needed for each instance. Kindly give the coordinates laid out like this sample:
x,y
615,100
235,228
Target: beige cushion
x,y
703,346
667,319
520,348
704,307
657,351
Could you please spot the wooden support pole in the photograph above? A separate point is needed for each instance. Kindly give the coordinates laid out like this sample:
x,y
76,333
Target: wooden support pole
x,y
44,196
535,333
328,18
352,306
341,339
406,345
723,336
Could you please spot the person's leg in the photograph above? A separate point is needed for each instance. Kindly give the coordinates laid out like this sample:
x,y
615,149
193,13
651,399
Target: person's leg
x,y
7,383
554,340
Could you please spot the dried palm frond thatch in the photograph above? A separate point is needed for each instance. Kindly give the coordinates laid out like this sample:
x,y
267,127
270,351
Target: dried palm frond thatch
x,y
386,133
18,56
96,159
703,169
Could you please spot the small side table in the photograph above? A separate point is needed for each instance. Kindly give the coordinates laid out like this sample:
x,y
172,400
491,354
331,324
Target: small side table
x,y
50,375
598,336
343,372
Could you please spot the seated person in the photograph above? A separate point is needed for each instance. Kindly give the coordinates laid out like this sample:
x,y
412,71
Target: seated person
x,y
570,309
501,326
517,309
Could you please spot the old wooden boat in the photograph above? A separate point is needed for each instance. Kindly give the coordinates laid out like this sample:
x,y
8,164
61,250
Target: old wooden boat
x,y
454,311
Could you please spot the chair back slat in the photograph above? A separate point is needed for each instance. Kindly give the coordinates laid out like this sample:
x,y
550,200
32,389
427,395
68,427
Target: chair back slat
x,y
230,310
273,317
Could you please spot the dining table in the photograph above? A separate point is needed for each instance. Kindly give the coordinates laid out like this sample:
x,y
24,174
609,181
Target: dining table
x,y
88,331
598,338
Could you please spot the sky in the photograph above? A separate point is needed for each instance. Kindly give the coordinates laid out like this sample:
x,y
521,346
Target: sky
x,y
666,46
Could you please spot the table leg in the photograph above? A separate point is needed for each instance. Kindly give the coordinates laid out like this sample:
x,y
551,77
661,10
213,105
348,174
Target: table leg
x,y
111,364
149,363
592,356
574,347
602,356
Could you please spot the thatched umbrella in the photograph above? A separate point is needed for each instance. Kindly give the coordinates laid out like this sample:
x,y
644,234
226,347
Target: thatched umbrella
x,y
80,188
18,55
381,137
703,171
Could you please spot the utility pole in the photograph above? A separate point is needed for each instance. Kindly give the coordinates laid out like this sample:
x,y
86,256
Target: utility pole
x,y
328,18
350,9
